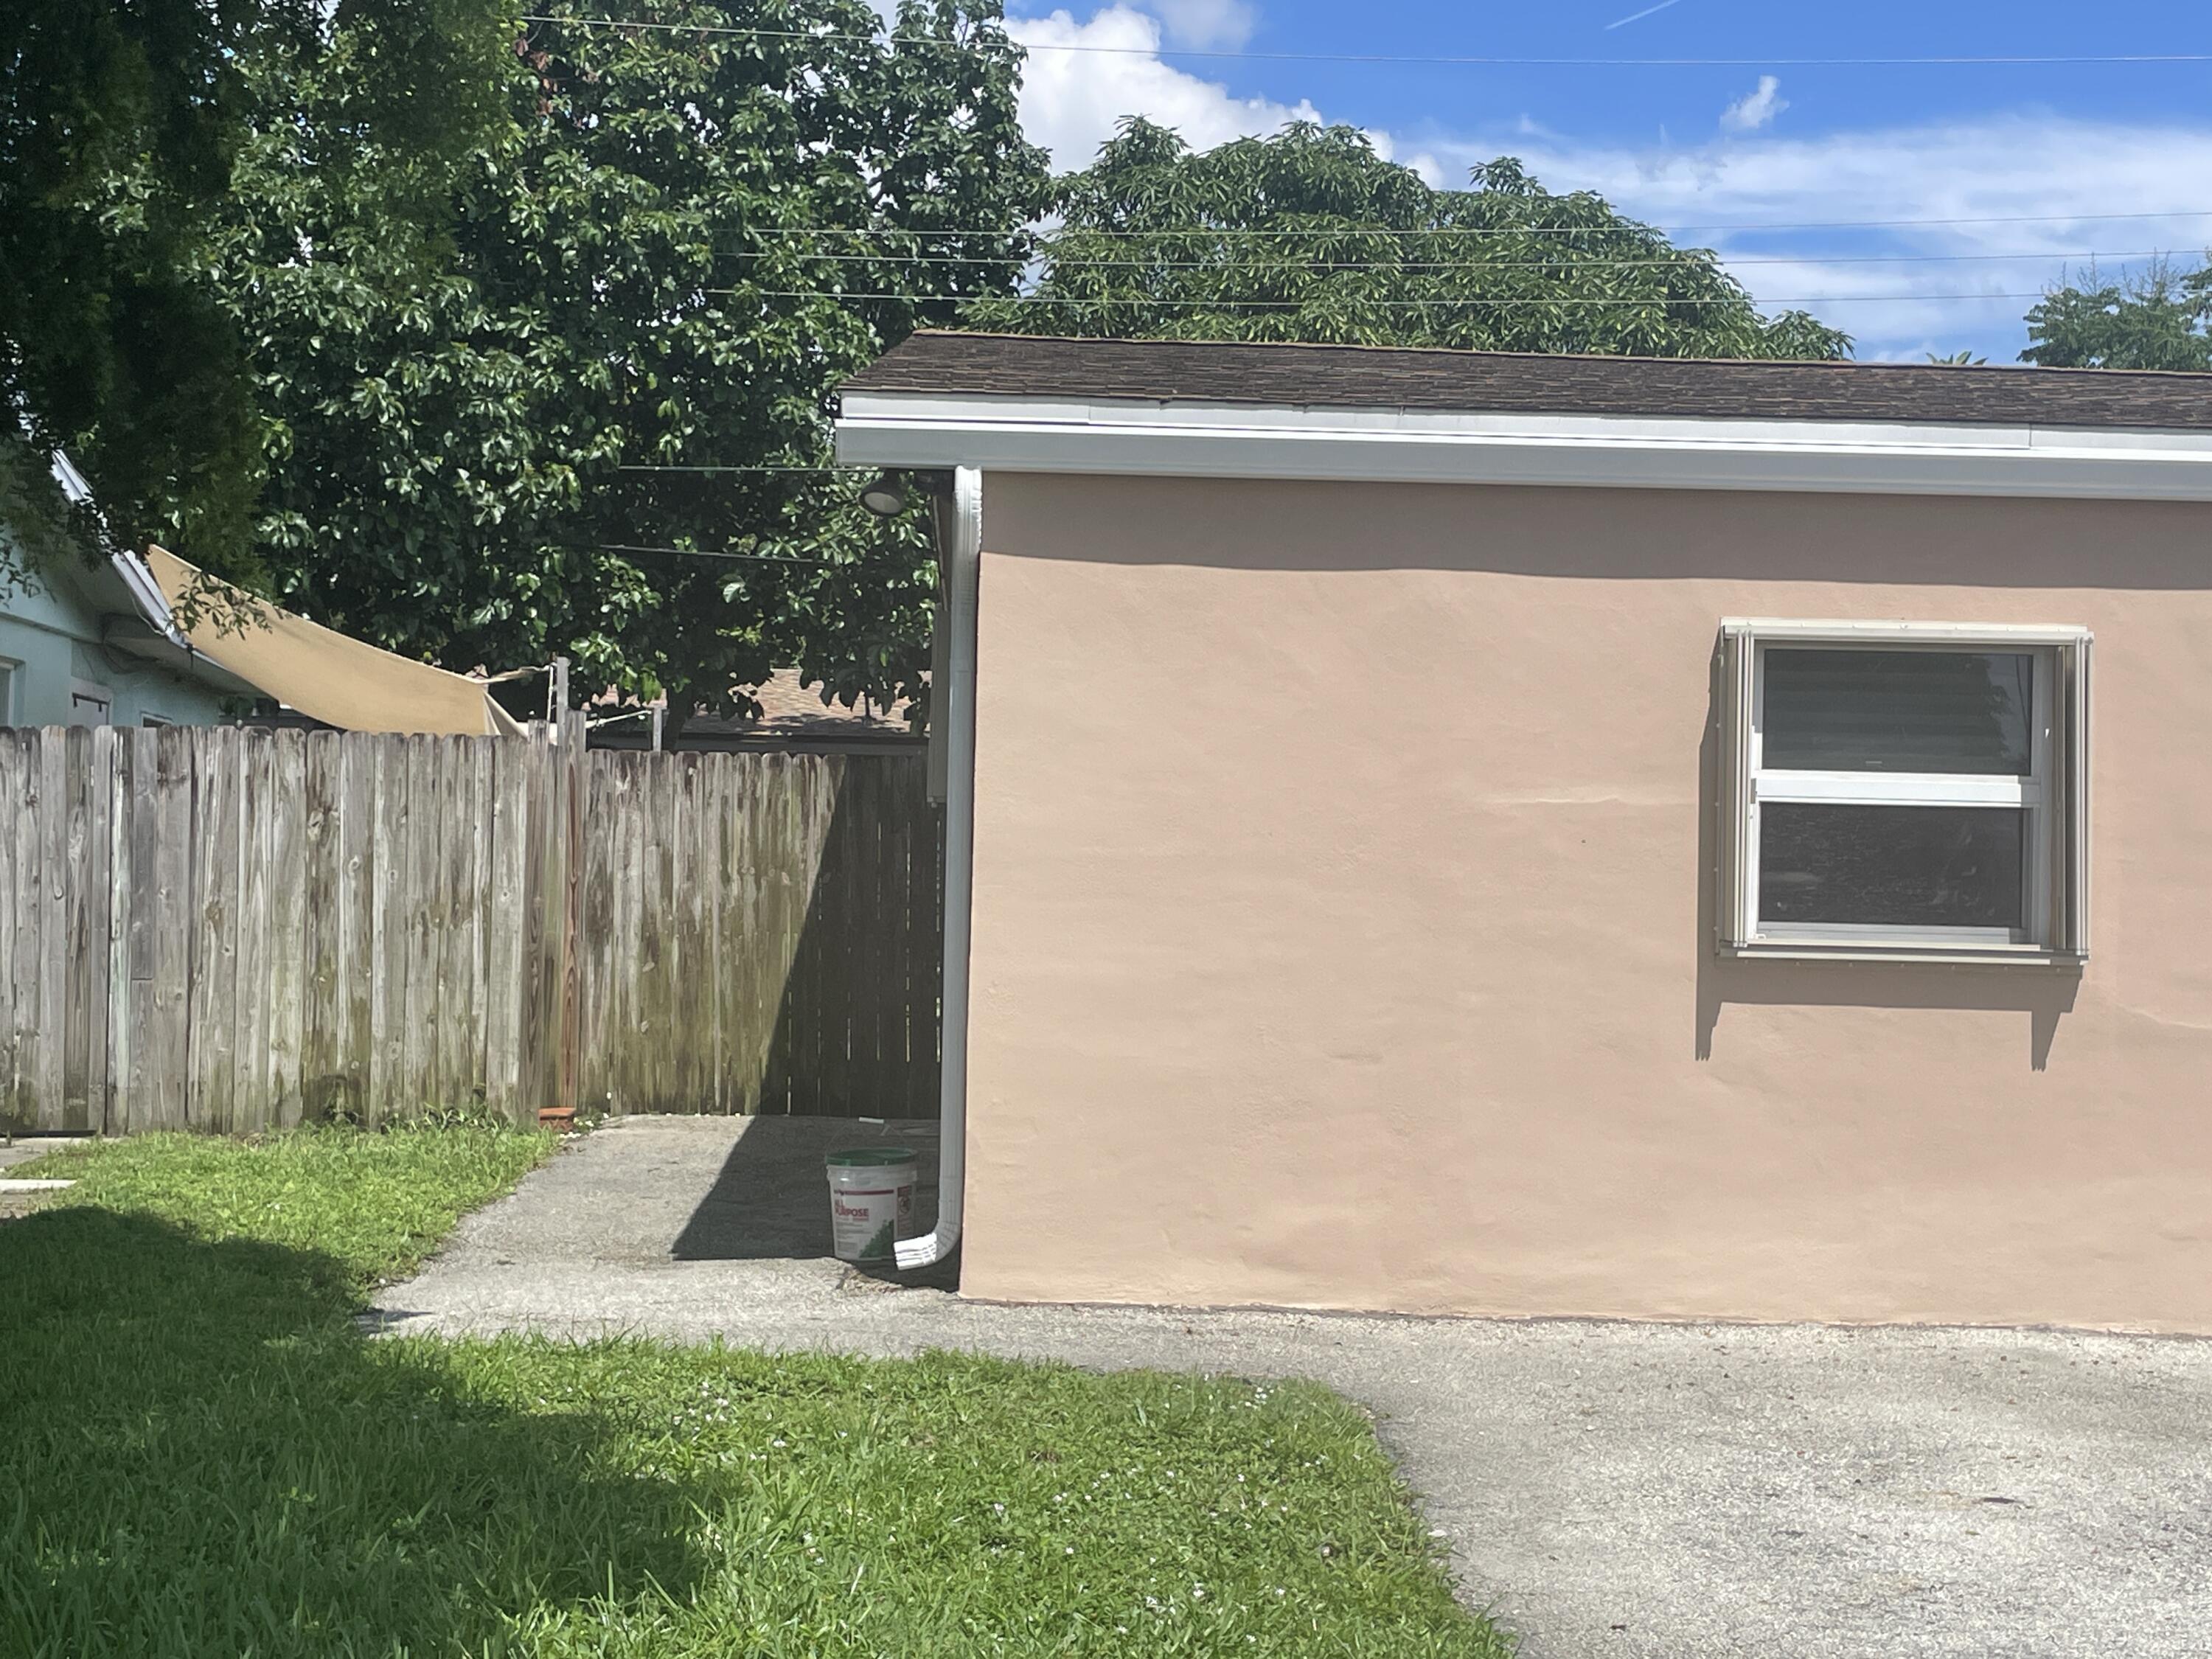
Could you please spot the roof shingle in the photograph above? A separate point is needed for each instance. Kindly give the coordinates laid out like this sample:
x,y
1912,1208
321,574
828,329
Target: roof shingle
x,y
1383,377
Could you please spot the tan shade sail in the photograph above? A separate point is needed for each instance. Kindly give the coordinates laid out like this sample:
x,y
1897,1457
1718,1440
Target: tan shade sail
x,y
331,676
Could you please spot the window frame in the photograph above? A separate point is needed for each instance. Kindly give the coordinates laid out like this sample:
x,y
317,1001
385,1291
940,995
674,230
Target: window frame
x,y
2053,795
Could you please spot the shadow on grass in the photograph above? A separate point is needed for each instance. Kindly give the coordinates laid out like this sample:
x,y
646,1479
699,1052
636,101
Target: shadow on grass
x,y
200,1455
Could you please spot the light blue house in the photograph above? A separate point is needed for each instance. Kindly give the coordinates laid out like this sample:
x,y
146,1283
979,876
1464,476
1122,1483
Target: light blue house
x,y
94,644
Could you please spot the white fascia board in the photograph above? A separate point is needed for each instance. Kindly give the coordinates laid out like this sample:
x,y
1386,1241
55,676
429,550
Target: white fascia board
x,y
154,605
146,593
73,486
1191,439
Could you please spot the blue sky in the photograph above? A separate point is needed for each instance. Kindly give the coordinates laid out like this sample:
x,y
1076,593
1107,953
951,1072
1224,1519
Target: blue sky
x,y
2056,149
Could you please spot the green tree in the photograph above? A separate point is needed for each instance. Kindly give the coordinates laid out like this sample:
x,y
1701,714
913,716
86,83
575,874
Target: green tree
x,y
2157,318
1310,236
599,424
119,122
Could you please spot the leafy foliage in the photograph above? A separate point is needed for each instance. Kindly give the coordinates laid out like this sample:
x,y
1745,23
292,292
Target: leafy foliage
x,y
39,530
592,418
1310,236
2157,318
119,120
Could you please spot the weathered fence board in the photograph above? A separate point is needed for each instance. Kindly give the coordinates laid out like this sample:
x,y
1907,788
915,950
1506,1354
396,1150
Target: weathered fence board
x,y
232,929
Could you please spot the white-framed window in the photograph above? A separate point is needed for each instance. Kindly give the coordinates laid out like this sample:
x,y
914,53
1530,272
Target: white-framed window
x,y
1903,790
11,675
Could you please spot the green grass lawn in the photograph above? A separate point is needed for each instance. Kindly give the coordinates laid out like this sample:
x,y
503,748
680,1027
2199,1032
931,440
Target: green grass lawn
x,y
200,1455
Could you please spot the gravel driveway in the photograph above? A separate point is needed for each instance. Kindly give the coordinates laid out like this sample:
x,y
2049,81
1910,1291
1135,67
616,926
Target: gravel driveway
x,y
1609,1489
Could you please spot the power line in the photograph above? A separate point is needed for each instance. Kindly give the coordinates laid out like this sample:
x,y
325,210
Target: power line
x,y
709,553
646,467
834,36
1533,299
1739,226
1684,260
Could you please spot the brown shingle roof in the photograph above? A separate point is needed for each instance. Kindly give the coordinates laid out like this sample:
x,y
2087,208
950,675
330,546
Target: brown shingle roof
x,y
792,706
791,711
1372,377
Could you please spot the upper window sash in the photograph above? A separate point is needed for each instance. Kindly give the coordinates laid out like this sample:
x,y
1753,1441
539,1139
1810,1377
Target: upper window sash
x,y
1882,788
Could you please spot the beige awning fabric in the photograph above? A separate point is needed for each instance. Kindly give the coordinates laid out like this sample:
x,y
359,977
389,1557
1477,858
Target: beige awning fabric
x,y
331,676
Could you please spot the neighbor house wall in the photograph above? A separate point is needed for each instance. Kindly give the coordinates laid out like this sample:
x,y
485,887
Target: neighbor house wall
x,y
1343,933
50,640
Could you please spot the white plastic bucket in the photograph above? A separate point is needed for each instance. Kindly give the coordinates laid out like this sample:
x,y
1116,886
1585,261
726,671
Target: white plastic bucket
x,y
871,1201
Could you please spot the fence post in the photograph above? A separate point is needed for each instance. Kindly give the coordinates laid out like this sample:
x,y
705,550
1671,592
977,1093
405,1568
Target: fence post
x,y
571,762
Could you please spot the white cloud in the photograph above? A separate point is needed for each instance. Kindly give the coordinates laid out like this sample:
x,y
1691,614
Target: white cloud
x,y
2055,178
1757,108
1206,25
1071,100
2042,189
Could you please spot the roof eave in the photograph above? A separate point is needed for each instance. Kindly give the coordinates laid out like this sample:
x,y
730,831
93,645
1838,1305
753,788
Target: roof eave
x,y
1287,442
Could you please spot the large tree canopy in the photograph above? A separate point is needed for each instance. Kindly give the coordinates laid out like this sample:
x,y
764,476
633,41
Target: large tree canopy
x,y
1310,236
2158,317
598,423
119,120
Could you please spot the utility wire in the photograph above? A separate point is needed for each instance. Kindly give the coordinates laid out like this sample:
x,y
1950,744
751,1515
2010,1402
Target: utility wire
x,y
1545,299
831,36
641,466
1681,261
709,553
1003,234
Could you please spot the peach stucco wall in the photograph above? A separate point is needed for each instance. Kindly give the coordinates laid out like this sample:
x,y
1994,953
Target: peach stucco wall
x,y
1342,931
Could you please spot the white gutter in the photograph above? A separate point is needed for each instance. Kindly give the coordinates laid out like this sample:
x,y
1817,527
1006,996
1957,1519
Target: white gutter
x,y
1199,439
145,592
152,602
962,551
75,490
138,581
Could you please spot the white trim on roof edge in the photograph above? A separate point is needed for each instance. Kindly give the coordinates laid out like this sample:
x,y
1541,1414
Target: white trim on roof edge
x,y
1217,440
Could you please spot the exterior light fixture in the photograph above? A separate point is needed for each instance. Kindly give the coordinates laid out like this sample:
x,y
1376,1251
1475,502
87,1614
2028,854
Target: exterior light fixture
x,y
886,495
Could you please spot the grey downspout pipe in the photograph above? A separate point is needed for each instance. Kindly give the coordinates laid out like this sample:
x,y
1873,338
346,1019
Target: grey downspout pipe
x,y
960,546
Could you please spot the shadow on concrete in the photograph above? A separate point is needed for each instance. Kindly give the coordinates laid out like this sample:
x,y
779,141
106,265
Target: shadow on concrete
x,y
771,1198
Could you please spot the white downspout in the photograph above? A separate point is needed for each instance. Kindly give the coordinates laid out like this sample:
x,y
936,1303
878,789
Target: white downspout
x,y
961,550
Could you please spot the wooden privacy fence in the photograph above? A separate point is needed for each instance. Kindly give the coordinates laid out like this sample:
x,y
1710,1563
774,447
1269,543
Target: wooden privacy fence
x,y
232,929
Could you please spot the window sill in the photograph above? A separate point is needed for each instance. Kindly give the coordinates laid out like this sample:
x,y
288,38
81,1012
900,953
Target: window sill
x,y
1979,956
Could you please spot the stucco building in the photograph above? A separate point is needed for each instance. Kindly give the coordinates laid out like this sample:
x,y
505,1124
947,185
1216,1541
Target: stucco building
x,y
1573,836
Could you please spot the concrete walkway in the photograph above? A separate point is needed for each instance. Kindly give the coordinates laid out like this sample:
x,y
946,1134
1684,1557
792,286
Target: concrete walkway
x,y
1610,1489
23,1149
17,1202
